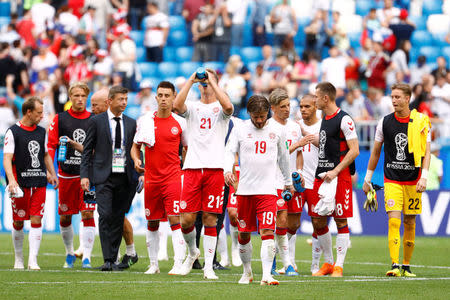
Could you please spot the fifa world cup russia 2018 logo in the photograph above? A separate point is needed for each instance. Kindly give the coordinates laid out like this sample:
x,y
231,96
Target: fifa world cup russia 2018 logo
x,y
322,141
400,143
79,135
33,148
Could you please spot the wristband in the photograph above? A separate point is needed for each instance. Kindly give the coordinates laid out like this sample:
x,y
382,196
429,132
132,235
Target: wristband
x,y
368,177
424,174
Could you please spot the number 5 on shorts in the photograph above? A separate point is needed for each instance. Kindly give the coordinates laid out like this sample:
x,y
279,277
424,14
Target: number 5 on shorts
x,y
176,206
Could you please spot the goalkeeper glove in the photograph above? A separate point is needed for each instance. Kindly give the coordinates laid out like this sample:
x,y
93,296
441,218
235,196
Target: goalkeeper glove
x,y
371,202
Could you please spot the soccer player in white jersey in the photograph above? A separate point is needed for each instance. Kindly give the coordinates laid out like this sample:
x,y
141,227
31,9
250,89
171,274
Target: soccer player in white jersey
x,y
288,214
203,184
262,148
311,125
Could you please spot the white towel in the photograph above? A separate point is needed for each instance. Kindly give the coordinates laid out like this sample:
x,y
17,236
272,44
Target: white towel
x,y
327,194
18,193
145,130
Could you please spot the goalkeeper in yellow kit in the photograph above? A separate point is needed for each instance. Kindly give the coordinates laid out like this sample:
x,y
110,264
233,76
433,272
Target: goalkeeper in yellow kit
x,y
406,138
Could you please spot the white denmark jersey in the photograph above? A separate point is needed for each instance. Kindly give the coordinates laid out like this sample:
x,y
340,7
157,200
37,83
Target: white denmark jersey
x,y
261,152
310,155
293,133
207,127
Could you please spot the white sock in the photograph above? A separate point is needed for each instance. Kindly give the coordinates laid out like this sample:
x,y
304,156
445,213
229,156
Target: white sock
x,y
283,247
34,239
245,252
209,248
152,238
163,228
81,247
130,250
88,241
179,247
326,246
234,236
267,255
67,236
190,241
18,237
222,246
292,240
342,240
316,253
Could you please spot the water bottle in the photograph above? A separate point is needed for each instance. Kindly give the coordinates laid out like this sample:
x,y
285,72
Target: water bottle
x,y
62,149
287,196
201,74
297,182
90,197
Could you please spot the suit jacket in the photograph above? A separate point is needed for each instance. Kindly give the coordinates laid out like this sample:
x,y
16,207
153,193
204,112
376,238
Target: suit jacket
x,y
96,161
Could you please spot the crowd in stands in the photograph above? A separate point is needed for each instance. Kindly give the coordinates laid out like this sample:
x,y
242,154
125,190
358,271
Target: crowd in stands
x,y
361,46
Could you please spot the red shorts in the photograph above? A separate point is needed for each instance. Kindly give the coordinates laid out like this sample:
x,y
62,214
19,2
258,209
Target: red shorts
x,y
281,204
307,196
261,207
344,198
31,204
232,201
295,206
202,191
162,200
70,197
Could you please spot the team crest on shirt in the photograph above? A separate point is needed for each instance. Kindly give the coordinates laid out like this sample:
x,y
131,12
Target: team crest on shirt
x,y
63,207
174,130
242,223
272,135
183,204
294,133
249,135
391,203
21,213
280,202
215,110
147,212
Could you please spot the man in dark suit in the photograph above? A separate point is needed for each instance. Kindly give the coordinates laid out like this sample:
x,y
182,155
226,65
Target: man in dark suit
x,y
106,161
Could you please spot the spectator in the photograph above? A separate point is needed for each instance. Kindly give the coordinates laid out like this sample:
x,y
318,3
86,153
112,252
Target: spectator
x,y
416,91
422,102
156,32
352,70
284,22
123,54
355,107
243,71
441,67
441,98
7,65
371,22
42,15
435,171
119,22
222,33
305,72
88,26
191,9
44,60
202,34
78,70
146,98
316,36
288,49
193,94
378,67
379,105
234,85
9,34
258,23
339,32
103,69
67,21
282,76
399,61
389,14
103,10
238,10
404,28
25,28
365,54
59,92
268,62
7,117
76,6
419,70
261,80
136,13
333,68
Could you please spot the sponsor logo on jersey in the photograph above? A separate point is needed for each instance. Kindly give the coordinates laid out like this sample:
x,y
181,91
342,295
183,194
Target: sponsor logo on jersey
x,y
391,203
294,133
249,136
215,110
183,204
174,130
271,135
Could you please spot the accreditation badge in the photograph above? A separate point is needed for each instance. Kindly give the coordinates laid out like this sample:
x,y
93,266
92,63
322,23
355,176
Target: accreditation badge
x,y
118,161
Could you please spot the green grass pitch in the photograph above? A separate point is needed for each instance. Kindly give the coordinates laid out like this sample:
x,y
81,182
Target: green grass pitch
x,y
366,263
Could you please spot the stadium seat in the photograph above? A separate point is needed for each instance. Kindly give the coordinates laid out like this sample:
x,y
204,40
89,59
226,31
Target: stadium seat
x,y
235,50
138,37
215,65
153,80
413,54
363,7
183,54
168,69
353,23
131,98
299,51
438,23
187,68
345,7
439,39
177,38
247,35
303,22
169,54
431,7
5,9
421,38
140,54
252,66
144,19
177,23
148,69
133,112
431,53
250,54
243,114
4,21
446,53
354,38
446,7
419,21
300,38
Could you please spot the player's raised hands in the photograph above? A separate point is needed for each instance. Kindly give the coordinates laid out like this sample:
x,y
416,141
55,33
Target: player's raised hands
x,y
230,179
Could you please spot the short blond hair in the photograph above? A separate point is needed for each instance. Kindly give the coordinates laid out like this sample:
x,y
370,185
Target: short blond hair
x,y
79,85
278,95
405,88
